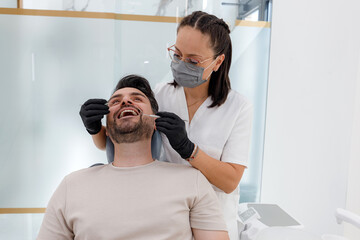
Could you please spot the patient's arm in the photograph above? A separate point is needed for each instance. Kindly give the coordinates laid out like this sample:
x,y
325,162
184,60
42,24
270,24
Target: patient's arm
x,y
99,139
209,235
206,218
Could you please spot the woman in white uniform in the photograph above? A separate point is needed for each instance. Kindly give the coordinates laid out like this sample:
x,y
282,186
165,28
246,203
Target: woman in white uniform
x,y
203,122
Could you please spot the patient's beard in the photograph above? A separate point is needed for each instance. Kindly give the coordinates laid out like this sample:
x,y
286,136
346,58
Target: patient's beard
x,y
130,132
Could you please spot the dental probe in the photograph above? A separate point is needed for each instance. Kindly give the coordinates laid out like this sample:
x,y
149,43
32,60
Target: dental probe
x,y
157,116
151,115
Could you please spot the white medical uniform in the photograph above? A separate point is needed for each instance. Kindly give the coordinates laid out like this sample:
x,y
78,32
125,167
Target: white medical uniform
x,y
221,132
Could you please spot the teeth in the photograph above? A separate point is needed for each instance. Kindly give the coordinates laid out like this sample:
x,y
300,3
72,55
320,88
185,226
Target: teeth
x,y
128,111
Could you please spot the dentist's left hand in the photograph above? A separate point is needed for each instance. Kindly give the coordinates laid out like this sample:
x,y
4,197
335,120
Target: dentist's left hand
x,y
91,112
174,128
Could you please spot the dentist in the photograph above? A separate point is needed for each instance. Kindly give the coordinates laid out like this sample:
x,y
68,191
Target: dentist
x,y
204,122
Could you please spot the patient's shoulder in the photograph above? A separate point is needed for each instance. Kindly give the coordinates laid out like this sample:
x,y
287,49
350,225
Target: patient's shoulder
x,y
175,168
86,173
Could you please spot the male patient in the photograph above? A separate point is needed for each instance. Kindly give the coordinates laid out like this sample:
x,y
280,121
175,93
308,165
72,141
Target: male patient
x,y
135,197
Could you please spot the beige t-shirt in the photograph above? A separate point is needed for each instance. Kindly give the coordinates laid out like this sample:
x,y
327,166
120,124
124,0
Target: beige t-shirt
x,y
154,201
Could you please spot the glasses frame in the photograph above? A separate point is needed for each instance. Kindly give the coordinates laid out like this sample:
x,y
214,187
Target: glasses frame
x,y
186,60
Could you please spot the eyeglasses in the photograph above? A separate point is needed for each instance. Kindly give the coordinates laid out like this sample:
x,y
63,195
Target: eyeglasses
x,y
191,63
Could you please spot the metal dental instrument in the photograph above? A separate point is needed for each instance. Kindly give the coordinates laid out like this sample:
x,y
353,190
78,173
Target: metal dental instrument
x,y
157,116
151,115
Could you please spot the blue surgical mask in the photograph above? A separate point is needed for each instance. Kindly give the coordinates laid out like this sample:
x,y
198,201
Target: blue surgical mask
x,y
188,76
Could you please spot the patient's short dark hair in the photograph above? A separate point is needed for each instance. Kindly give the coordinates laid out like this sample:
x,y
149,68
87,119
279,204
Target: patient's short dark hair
x,y
140,83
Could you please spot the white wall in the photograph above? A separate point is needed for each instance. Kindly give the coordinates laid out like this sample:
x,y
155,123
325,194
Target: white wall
x,y
313,73
353,193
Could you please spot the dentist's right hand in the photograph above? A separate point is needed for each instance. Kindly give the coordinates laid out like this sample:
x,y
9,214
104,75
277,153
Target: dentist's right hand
x,y
91,112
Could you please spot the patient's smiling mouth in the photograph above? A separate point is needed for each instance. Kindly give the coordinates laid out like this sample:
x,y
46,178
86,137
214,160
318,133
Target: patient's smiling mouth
x,y
128,111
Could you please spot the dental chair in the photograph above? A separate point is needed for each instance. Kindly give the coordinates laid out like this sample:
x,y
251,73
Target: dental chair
x,y
343,215
270,222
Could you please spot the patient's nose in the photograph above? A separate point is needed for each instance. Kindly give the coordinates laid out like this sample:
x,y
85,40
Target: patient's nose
x,y
126,100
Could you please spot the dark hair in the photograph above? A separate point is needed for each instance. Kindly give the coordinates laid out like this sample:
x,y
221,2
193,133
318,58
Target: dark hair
x,y
140,83
219,33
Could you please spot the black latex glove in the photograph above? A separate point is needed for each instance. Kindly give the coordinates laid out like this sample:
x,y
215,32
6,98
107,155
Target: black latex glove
x,y
91,112
174,128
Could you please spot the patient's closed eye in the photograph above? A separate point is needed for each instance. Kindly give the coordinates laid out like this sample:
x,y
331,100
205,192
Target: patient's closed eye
x,y
113,103
138,99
